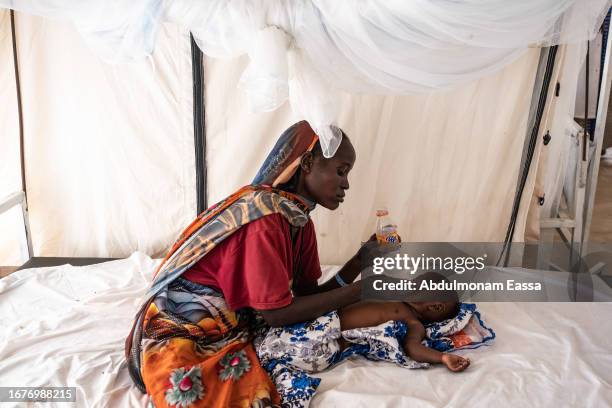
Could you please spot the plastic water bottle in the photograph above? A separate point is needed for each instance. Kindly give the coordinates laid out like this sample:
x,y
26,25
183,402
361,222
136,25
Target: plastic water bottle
x,y
386,230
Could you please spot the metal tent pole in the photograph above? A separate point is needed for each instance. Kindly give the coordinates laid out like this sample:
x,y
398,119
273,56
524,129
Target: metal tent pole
x,y
199,124
23,195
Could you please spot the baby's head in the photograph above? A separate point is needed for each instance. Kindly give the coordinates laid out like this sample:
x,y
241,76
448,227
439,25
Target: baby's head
x,y
435,306
429,312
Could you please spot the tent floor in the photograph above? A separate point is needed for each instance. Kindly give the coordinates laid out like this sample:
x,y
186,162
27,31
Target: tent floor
x,y
7,270
601,223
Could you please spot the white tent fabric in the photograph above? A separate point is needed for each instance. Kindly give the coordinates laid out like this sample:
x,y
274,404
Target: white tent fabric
x,y
110,161
444,163
382,46
422,142
438,143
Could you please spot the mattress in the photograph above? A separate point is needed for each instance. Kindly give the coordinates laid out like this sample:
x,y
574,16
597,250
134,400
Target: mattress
x,y
65,326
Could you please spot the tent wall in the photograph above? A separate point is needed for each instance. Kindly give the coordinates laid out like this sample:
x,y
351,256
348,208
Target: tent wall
x,y
119,176
444,163
109,149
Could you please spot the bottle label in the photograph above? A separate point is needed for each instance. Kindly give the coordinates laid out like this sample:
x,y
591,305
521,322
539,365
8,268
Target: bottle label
x,y
391,237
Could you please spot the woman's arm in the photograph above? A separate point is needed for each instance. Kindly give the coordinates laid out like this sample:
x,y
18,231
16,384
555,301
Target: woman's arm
x,y
349,272
304,308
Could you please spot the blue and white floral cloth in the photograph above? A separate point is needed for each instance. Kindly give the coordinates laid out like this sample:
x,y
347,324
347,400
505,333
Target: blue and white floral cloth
x,y
291,353
464,331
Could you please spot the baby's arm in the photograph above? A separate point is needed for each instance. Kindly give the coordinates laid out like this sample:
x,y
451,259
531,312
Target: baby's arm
x,y
418,352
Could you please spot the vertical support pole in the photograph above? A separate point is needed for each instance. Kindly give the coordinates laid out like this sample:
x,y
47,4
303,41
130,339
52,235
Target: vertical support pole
x,y
24,201
19,103
602,110
199,124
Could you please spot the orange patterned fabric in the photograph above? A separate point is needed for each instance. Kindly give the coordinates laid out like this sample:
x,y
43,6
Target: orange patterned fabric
x,y
250,388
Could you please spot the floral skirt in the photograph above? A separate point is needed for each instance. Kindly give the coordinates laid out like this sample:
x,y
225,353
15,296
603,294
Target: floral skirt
x,y
198,353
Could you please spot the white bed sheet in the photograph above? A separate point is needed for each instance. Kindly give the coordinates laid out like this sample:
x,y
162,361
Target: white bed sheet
x,y
65,326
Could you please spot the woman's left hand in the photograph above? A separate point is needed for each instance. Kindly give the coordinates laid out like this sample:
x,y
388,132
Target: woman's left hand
x,y
373,249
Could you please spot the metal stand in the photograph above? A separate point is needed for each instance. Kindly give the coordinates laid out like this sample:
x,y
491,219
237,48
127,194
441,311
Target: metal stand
x,y
574,216
11,201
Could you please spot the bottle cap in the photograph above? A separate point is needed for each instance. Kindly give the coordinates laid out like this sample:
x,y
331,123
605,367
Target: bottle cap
x,y
382,213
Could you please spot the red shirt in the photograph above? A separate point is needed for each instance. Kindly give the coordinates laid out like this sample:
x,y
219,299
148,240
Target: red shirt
x,y
253,267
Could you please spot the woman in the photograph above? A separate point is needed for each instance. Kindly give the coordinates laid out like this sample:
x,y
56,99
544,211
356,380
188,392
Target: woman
x,y
252,256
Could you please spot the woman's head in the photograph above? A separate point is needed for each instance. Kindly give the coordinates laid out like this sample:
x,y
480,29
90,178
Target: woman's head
x,y
296,164
323,180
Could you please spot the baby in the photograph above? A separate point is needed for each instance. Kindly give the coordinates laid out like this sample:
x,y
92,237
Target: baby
x,y
312,346
290,353
414,314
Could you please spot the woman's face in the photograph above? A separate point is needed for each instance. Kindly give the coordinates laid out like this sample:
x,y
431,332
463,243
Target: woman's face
x,y
326,180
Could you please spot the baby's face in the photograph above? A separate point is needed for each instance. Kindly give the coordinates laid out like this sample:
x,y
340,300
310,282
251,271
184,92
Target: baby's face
x,y
438,311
